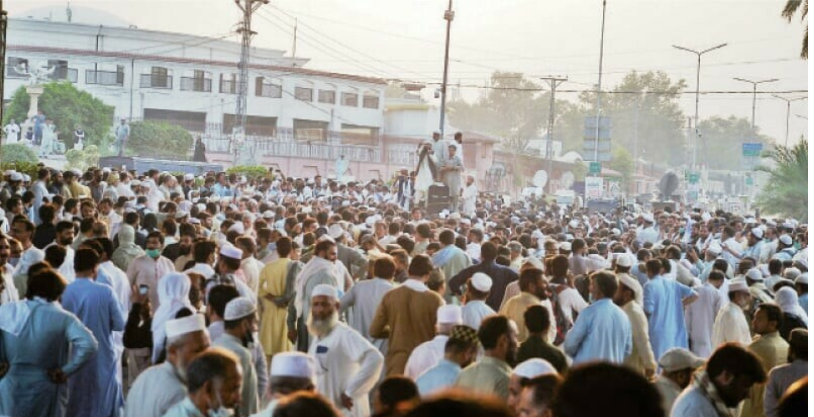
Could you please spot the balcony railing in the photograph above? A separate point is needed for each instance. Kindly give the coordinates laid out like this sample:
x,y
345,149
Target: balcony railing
x,y
65,74
155,81
203,85
104,77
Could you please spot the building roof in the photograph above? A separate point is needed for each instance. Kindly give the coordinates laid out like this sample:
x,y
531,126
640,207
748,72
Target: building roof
x,y
181,60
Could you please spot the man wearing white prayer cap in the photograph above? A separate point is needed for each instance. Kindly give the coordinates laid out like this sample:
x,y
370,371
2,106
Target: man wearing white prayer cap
x,y
240,323
429,353
525,371
291,372
731,324
225,268
475,309
348,366
677,368
757,288
161,386
629,297
700,315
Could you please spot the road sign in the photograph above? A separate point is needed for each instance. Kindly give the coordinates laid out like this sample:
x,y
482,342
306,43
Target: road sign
x,y
749,181
752,149
594,168
694,177
589,144
593,187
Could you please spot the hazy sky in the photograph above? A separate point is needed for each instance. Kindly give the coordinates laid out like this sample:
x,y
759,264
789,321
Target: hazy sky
x,y
405,39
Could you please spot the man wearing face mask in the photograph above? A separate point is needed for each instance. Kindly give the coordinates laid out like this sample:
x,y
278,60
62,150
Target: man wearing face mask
x,y
8,292
240,322
214,381
148,268
161,386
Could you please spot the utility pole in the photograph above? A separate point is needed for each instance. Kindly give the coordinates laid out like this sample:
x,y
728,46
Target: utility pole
x,y
449,14
553,83
599,84
294,47
788,112
239,129
3,25
754,97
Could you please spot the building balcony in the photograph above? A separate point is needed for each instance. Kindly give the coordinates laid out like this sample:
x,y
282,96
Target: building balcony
x,y
155,81
203,85
104,77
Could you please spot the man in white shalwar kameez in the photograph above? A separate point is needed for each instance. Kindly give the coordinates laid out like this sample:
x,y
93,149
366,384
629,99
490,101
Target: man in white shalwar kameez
x,y
701,314
429,353
476,309
162,386
348,366
731,324
470,196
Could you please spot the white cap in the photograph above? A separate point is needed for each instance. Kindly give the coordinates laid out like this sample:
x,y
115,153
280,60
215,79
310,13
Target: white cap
x,y
194,220
573,223
677,359
566,246
184,325
791,273
649,218
535,262
481,282
180,214
293,364
239,308
450,314
533,368
189,177
624,260
802,278
325,290
230,251
715,248
758,232
16,176
335,230
268,214
786,240
634,285
26,178
754,274
738,285
237,227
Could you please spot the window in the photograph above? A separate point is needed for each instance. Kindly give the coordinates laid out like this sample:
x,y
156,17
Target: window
x,y
263,87
16,67
350,99
359,135
228,83
327,96
60,69
304,93
370,102
159,77
311,130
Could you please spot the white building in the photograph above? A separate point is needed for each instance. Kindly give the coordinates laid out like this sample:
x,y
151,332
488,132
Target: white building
x,y
192,81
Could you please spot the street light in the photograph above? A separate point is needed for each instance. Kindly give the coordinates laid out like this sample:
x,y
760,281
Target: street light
x,y
448,16
697,92
754,95
788,112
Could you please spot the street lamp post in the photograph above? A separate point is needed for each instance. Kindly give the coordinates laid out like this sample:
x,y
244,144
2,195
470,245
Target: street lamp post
x,y
599,83
788,112
754,96
449,14
697,93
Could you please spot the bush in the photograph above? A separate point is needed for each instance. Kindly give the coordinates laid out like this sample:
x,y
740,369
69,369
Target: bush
x,y
159,139
250,171
18,153
83,159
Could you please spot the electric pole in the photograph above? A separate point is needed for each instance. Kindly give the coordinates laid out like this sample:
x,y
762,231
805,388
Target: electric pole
x,y
553,83
449,14
248,7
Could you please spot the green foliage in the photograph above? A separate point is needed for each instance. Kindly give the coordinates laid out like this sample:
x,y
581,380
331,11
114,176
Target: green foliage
x,y
17,152
83,159
68,107
789,10
623,163
250,171
721,141
150,138
18,107
786,192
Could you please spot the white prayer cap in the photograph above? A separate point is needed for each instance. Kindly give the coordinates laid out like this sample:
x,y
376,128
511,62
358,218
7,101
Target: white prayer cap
x,y
16,176
535,262
786,240
239,308
232,207
189,177
754,274
145,184
335,230
634,285
184,325
325,290
371,220
135,183
26,178
537,234
534,368
180,214
237,227
624,260
757,232
194,220
803,262
616,232
455,216
230,251
791,273
450,314
466,221
566,246
573,223
764,269
771,223
106,169
268,214
715,248
443,214
596,262
648,218
677,359
293,364
750,220
802,279
481,282
738,285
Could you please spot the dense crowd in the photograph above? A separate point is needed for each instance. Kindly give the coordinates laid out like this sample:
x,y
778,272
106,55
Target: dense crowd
x,y
152,294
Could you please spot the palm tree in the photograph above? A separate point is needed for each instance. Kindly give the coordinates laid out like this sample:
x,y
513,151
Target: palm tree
x,y
786,192
790,10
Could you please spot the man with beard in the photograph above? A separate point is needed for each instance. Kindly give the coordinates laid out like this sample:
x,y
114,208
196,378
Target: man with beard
x,y
725,382
161,386
460,350
490,375
534,291
348,366
8,292
240,322
180,252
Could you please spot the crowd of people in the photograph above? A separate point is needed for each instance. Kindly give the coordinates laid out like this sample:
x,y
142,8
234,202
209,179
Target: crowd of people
x,y
152,294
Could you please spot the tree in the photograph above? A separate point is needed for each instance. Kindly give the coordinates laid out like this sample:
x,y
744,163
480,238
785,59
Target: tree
x,y
623,163
150,138
17,153
722,139
786,192
789,10
68,107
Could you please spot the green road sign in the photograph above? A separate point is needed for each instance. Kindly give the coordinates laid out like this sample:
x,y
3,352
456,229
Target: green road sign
x,y
595,168
694,177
